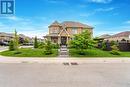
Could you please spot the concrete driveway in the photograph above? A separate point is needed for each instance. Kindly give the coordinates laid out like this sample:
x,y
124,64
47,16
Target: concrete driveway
x,y
60,75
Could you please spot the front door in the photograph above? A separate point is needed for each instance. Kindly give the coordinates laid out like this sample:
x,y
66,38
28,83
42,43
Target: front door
x,y
63,40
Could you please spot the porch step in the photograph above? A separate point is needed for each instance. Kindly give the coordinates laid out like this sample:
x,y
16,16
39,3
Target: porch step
x,y
63,52
63,46
65,49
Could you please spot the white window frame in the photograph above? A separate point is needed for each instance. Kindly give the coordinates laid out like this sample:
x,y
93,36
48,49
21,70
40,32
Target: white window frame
x,y
54,31
74,30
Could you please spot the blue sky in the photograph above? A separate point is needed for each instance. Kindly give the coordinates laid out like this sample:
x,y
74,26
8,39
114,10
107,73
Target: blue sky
x,y
32,17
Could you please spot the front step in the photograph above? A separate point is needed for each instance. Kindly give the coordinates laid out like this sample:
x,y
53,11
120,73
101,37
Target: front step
x,y
63,52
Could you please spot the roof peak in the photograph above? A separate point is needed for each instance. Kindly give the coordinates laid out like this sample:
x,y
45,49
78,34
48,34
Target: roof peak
x,y
55,23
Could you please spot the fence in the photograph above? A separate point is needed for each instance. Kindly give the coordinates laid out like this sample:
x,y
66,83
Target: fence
x,y
123,45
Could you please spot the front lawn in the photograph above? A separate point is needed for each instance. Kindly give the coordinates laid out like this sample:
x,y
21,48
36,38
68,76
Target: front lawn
x,y
29,52
96,53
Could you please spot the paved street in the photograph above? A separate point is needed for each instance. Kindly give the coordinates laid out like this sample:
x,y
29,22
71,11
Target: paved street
x,y
63,75
2,48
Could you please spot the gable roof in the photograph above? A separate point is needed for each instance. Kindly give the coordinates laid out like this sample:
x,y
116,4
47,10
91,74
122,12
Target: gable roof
x,y
122,34
55,23
75,24
63,31
104,36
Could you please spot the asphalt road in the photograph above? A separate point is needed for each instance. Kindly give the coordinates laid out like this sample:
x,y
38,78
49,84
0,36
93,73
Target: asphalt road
x,y
60,75
2,48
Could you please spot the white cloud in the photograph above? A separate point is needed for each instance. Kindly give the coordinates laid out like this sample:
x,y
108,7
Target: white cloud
x,y
13,18
1,24
127,22
93,23
105,9
56,1
100,1
97,11
26,26
38,33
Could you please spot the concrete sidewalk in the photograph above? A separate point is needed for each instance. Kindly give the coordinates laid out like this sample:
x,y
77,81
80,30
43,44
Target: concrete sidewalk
x,y
63,60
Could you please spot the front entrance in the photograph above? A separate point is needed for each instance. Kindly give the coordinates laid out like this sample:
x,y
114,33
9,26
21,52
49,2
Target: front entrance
x,y
63,40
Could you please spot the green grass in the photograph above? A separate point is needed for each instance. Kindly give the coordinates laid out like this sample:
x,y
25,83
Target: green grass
x,y
97,53
29,52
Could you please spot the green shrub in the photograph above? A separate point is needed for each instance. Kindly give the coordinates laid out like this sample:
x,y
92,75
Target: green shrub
x,y
41,45
16,41
35,43
82,41
115,52
55,46
48,47
104,47
11,45
115,47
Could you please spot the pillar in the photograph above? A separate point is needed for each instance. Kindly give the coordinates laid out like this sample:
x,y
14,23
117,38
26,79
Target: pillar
x,y
59,40
67,39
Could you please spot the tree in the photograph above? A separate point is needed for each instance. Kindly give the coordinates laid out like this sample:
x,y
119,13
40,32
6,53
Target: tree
x,y
82,41
115,49
104,46
48,47
26,40
16,41
35,43
14,44
11,46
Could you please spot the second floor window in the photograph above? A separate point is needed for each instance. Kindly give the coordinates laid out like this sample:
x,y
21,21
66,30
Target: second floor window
x,y
74,31
54,31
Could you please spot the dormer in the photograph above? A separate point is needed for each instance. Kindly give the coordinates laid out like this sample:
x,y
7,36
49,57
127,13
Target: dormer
x,y
55,28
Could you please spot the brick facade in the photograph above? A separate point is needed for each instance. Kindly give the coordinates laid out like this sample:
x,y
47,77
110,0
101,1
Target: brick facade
x,y
61,33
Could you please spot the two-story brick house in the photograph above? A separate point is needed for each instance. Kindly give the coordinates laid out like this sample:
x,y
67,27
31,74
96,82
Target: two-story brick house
x,y
61,33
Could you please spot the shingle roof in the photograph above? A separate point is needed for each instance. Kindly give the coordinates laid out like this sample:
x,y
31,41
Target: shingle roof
x,y
6,34
12,35
122,34
55,23
70,24
105,36
74,24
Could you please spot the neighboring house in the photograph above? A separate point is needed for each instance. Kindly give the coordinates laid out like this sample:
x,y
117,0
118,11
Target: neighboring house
x,y
7,37
119,36
104,36
61,33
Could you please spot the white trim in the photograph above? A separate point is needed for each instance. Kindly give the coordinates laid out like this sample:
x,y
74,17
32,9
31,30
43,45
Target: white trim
x,y
65,31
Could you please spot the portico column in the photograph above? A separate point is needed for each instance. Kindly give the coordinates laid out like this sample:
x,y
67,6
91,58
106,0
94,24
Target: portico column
x,y
67,40
59,39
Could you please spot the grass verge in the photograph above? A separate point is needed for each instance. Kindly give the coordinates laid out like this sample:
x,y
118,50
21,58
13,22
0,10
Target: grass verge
x,y
96,53
29,52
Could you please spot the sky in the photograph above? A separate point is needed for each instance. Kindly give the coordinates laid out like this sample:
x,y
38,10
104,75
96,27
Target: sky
x,y
32,17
